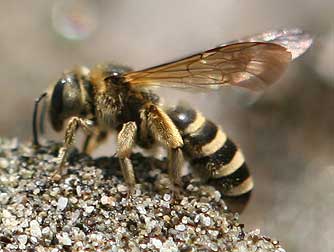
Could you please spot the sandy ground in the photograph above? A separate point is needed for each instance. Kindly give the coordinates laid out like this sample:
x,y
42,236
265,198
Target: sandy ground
x,y
90,209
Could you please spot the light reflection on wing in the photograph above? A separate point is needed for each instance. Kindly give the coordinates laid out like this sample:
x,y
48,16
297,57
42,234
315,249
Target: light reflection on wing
x,y
295,40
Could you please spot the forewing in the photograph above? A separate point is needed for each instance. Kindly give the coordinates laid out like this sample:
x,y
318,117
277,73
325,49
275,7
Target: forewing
x,y
296,41
252,65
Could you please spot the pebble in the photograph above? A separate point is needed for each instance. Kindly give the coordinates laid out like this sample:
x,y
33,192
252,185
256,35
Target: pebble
x,y
89,209
180,227
35,229
78,190
206,220
141,209
22,239
62,203
105,200
213,246
156,243
75,216
36,191
122,188
6,214
46,231
167,197
4,163
64,239
33,239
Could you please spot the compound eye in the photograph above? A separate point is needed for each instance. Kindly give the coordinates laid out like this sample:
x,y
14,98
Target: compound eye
x,y
57,96
56,105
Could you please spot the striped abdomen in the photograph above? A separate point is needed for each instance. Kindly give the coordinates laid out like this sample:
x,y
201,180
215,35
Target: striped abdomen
x,y
212,154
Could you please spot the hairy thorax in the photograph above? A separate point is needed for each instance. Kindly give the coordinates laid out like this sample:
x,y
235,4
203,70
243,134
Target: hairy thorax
x,y
107,109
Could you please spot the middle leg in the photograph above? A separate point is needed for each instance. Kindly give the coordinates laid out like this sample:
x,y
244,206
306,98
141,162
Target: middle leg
x,y
125,141
93,140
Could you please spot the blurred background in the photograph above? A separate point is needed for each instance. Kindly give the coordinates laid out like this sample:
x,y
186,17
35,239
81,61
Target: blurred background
x,y
286,133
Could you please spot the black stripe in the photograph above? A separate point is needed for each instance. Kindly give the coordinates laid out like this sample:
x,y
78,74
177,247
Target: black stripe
x,y
237,177
225,184
222,156
182,116
204,135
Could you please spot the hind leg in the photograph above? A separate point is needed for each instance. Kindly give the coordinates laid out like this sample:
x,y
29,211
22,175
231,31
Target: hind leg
x,y
165,131
175,164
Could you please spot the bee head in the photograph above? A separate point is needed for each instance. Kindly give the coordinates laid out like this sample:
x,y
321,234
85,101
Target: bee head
x,y
67,98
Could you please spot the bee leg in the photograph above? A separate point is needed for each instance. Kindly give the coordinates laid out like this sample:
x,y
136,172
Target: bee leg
x,y
165,131
72,126
125,141
93,140
175,164
144,138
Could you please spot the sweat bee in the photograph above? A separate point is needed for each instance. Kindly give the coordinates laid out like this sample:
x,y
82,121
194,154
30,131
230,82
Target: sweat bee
x,y
109,97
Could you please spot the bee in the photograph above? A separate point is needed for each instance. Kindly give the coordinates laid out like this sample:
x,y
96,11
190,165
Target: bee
x,y
113,98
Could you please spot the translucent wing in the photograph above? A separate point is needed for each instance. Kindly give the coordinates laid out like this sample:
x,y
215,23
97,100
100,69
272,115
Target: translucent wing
x,y
295,40
253,65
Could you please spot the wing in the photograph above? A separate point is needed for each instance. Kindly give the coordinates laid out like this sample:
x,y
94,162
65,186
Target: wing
x,y
253,65
296,41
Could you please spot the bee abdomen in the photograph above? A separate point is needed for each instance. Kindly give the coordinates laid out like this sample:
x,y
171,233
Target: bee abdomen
x,y
212,154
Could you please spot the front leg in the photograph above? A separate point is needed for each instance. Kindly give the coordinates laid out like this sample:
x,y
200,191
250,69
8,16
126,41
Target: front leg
x,y
71,128
125,141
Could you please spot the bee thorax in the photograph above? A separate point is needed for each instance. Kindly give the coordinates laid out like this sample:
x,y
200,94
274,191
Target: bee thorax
x,y
107,110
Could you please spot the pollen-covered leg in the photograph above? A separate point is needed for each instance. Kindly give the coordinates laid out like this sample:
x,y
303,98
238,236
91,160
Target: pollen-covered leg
x,y
93,140
163,128
165,131
125,141
72,126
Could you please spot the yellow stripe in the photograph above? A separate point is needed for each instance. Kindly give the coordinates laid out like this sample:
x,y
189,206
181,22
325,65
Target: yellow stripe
x,y
243,188
231,167
216,143
195,125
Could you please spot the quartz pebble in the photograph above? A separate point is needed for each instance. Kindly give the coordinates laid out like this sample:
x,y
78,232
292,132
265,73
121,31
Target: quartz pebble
x,y
167,197
122,188
35,229
4,163
105,200
62,203
180,227
156,243
64,239
91,210
22,239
